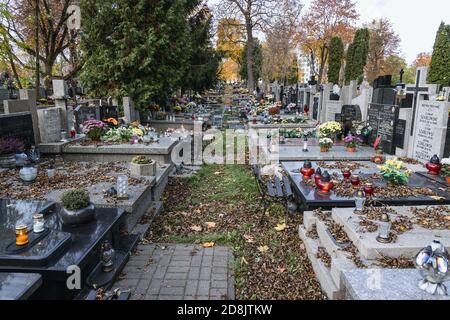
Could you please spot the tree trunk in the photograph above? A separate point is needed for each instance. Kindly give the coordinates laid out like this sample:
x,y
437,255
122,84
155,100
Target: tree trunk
x,y
323,60
48,74
250,44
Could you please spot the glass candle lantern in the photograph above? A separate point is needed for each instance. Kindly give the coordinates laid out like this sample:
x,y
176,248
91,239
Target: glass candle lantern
x,y
21,235
346,173
50,171
305,145
38,223
122,187
360,201
355,181
384,229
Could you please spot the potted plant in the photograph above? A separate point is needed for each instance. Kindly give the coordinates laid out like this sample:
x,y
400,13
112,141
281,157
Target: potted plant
x,y
393,173
325,144
142,166
94,129
8,150
76,207
351,142
329,129
446,169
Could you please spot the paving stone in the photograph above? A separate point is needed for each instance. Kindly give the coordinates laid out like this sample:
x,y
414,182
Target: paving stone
x,y
172,291
203,288
194,273
205,273
176,276
176,272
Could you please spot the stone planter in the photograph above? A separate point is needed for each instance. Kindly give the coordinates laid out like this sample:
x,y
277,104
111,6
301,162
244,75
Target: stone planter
x,y
143,170
69,217
7,160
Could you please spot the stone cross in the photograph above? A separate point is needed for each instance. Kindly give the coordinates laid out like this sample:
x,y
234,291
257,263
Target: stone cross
x,y
420,88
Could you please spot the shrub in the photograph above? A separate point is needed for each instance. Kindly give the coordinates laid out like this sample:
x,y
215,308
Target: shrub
x,y
141,160
75,199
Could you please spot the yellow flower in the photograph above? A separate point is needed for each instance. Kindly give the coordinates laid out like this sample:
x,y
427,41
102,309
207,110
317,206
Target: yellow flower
x,y
138,132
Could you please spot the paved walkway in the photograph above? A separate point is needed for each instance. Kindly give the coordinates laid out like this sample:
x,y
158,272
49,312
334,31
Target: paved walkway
x,y
179,272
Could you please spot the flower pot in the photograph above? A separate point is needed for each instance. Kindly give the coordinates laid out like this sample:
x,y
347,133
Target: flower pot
x,y
447,179
7,160
350,149
144,170
69,217
324,149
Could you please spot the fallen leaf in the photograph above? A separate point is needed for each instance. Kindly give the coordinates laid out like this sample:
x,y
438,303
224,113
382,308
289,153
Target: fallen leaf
x,y
281,227
249,239
437,198
263,249
196,228
281,270
210,225
208,245
244,261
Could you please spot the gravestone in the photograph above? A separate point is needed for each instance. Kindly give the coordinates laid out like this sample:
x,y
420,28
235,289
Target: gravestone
x,y
333,111
130,112
84,113
400,134
18,126
420,91
107,112
431,130
383,119
50,124
315,108
349,114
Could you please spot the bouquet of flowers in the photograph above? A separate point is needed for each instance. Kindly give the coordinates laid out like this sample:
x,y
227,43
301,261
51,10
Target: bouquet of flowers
x,y
362,129
94,129
351,141
446,169
325,143
392,171
329,129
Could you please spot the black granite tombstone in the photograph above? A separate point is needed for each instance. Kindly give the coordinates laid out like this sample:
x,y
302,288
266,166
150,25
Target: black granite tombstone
x,y
383,119
107,112
56,254
350,113
399,134
84,113
18,126
315,109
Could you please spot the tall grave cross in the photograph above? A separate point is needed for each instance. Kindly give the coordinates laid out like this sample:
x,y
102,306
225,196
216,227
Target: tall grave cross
x,y
417,89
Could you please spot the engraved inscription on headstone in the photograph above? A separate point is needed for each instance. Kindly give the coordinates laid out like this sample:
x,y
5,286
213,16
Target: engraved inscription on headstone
x,y
383,118
431,130
50,124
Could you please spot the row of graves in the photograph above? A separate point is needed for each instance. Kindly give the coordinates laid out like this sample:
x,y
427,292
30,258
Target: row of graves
x,y
79,186
372,184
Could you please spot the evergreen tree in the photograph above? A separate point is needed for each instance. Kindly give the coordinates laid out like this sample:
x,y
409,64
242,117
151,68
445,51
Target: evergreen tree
x,y
440,62
350,62
204,61
257,60
136,48
336,49
358,56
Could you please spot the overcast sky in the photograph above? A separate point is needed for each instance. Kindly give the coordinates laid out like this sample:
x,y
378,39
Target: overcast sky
x,y
416,21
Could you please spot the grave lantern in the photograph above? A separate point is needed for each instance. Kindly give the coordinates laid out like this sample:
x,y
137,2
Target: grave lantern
x,y
50,171
346,173
355,181
305,145
38,223
108,256
21,235
325,184
384,229
318,176
28,174
434,166
122,187
307,170
360,201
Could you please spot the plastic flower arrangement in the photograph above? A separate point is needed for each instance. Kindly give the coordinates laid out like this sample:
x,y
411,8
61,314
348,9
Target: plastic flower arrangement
x,y
351,141
392,171
325,143
329,129
94,129
362,129
177,108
